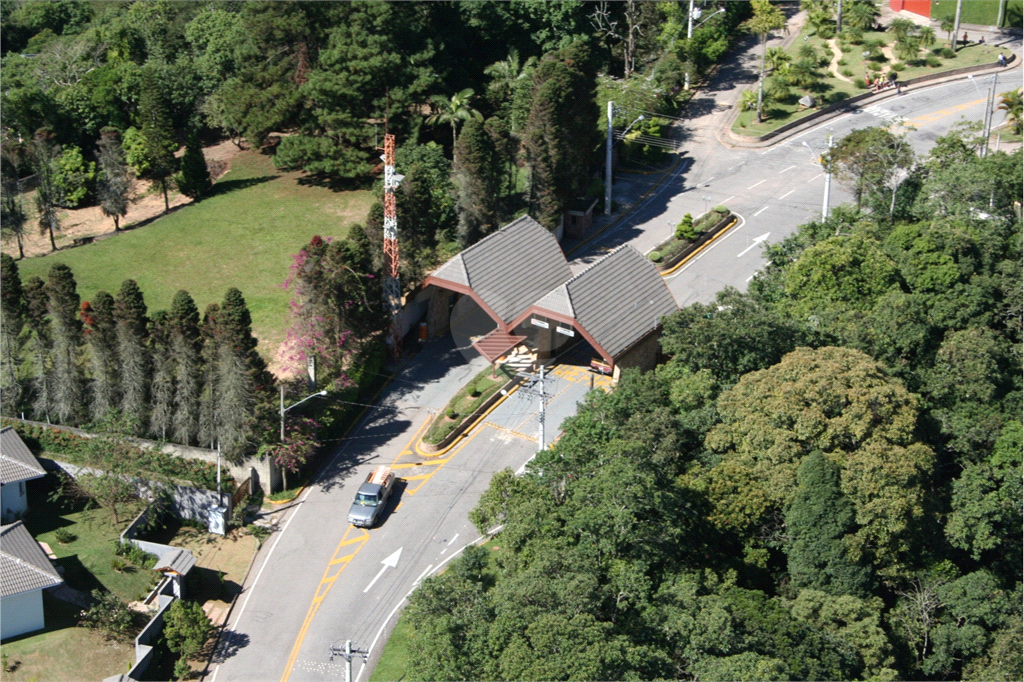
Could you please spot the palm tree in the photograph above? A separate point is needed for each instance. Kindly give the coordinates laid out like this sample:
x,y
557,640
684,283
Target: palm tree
x,y
862,15
775,57
901,29
948,25
926,36
504,74
907,48
767,18
454,110
1012,102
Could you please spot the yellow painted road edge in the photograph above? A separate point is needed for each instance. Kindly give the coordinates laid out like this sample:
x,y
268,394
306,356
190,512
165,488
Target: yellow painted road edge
x,y
473,426
702,247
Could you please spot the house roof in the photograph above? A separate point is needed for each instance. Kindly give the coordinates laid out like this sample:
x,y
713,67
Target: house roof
x,y
617,300
17,463
23,564
176,560
509,269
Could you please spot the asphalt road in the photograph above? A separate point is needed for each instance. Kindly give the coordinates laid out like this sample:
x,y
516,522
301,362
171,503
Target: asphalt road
x,y
319,582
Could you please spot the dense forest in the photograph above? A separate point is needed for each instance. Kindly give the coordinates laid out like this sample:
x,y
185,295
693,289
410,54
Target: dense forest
x,y
822,482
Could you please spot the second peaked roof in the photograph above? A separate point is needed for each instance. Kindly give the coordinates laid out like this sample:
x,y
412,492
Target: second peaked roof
x,y
617,300
511,268
17,463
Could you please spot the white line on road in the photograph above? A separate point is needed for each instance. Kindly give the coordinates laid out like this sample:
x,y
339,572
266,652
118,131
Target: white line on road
x,y
787,194
730,198
815,177
449,544
755,184
425,571
751,277
709,180
760,212
757,240
787,169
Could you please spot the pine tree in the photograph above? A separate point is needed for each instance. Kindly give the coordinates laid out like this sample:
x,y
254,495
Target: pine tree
x,y
816,522
208,396
116,184
194,178
12,210
478,170
236,330
63,305
162,389
155,123
132,324
241,374
186,344
101,334
12,320
39,322
48,195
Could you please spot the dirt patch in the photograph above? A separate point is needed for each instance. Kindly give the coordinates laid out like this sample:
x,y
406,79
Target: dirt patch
x,y
87,222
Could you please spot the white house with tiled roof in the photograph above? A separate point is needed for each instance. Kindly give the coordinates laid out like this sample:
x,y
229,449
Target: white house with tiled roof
x,y
25,572
17,465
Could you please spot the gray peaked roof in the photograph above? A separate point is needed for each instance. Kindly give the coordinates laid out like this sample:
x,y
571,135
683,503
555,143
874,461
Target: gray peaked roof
x,y
23,564
617,300
511,268
176,560
17,463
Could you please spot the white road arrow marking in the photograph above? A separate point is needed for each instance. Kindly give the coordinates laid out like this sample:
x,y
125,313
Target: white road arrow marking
x,y
757,240
391,561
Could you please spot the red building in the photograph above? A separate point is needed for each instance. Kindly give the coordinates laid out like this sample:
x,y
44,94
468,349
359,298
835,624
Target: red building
x,y
922,7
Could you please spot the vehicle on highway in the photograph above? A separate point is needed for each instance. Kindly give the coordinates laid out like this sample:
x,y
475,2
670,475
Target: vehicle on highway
x,y
372,497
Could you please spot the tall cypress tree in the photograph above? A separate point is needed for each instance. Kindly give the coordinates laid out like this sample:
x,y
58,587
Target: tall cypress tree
x,y
241,374
63,305
478,171
116,184
132,325
101,334
157,132
162,388
211,334
236,330
185,346
12,320
38,321
816,522
194,178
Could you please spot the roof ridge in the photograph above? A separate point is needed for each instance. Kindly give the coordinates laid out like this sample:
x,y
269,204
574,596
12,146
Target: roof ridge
x,y
600,260
26,564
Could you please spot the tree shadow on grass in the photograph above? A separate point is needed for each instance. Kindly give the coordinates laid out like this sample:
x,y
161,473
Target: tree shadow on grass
x,y
76,575
337,184
225,186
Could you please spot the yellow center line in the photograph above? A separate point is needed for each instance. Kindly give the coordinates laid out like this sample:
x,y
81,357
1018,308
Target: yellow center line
x,y
942,113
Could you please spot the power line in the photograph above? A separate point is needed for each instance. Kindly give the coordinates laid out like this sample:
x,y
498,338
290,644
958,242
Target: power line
x,y
652,113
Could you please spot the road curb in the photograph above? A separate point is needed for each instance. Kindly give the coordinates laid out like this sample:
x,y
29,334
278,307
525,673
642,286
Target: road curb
x,y
472,427
703,246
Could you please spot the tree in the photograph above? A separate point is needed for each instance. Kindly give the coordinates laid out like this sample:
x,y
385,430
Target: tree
x,y
767,18
101,335
948,25
210,331
48,195
926,36
452,111
186,628
870,157
1012,102
12,320
861,15
478,177
241,375
110,614
194,178
162,387
12,210
850,271
157,134
132,324
71,175
299,444
39,323
185,348
63,305
116,185
816,523
506,73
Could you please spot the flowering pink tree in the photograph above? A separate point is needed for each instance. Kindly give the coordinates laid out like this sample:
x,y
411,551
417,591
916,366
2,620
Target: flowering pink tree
x,y
299,444
336,303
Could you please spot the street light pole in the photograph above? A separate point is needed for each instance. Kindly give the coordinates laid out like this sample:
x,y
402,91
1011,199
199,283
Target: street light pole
x,y
828,184
689,36
608,162
285,409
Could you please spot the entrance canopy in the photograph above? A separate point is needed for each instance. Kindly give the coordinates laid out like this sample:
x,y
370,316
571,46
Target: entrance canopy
x,y
497,343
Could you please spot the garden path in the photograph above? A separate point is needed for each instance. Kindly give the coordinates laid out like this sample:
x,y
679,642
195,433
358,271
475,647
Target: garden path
x,y
837,54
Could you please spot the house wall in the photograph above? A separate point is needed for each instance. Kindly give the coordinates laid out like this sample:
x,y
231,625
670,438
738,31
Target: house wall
x,y
21,613
13,500
643,355
921,7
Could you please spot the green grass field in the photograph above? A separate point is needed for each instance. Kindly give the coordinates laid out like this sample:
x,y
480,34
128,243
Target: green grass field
x,y
984,12
243,236
831,89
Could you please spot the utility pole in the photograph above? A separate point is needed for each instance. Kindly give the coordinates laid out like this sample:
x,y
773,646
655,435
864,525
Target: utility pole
x,y
539,394
956,22
689,36
828,184
347,653
989,114
608,161
839,16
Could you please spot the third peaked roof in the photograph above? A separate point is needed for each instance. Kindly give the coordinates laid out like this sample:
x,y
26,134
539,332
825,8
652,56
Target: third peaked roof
x,y
617,300
511,268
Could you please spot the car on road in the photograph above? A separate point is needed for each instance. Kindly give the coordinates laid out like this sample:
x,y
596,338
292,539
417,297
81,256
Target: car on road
x,y
372,497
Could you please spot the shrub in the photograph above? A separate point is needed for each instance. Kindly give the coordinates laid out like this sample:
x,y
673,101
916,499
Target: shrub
x,y
685,229
109,614
182,670
933,61
720,209
118,564
944,52
474,391
654,256
186,628
258,532
847,72
898,66
827,31
64,536
874,66
451,413
842,62
860,84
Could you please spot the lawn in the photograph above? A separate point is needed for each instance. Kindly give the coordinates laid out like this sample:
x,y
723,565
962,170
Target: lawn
x,y
464,404
86,560
984,12
63,652
243,236
831,89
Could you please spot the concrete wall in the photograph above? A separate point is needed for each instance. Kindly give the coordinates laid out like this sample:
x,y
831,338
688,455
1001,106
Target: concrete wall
x,y
643,355
21,613
13,501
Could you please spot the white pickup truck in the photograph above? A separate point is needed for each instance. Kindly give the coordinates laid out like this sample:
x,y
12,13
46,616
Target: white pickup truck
x,y
372,497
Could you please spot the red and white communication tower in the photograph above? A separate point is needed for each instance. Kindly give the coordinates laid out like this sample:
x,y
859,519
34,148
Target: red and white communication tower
x,y
392,283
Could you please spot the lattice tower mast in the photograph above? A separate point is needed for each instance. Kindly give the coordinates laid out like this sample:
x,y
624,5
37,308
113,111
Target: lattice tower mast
x,y
392,282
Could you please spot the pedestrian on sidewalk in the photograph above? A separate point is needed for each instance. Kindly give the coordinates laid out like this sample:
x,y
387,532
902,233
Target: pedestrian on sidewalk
x,y
965,38
1002,59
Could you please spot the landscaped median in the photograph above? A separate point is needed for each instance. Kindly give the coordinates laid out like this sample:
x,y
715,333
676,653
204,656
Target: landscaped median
x,y
690,237
472,401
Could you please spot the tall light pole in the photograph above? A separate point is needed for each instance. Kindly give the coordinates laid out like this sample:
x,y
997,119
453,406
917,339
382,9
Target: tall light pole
x,y
285,409
689,35
828,185
956,23
989,114
608,161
